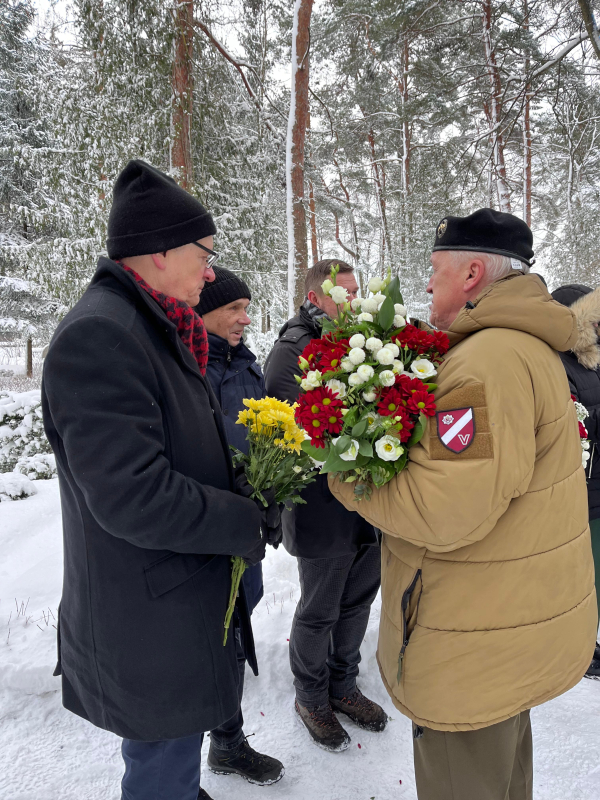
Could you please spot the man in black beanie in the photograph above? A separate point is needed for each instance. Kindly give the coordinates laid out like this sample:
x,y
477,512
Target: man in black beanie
x,y
234,376
151,517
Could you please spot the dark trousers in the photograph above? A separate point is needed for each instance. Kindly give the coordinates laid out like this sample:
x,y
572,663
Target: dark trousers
x,y
330,623
165,770
595,530
493,763
230,734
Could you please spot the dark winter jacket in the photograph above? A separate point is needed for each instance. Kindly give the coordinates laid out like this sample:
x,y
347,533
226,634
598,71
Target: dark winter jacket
x,y
150,520
322,528
234,375
583,372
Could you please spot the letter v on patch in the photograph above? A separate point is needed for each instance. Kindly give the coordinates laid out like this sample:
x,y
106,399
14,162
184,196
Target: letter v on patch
x,y
456,428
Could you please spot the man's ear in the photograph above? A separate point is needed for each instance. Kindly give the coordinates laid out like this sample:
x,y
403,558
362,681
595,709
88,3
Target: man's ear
x,y
474,275
314,298
160,260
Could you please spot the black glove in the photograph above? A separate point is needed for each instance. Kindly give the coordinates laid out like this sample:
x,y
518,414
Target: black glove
x,y
270,515
256,555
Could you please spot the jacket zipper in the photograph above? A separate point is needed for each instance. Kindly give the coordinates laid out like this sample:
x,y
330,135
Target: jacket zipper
x,y
404,605
591,460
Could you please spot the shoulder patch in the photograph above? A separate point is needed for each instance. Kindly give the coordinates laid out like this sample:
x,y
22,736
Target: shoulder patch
x,y
462,429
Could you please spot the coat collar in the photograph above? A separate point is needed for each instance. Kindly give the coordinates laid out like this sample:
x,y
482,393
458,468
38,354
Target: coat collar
x,y
220,350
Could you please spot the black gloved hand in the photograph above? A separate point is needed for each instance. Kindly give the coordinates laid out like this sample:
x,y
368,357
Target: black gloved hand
x,y
256,555
270,515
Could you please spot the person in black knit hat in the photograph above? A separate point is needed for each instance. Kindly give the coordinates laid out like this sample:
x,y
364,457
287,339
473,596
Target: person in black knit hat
x,y
234,376
151,514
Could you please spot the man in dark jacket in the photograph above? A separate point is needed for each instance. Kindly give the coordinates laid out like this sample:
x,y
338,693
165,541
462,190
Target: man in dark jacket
x,y
338,557
150,514
234,375
583,372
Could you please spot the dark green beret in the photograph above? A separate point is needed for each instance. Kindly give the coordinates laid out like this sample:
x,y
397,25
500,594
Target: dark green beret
x,y
487,231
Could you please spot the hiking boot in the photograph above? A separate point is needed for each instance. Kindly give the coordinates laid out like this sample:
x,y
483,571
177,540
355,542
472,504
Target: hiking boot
x,y
362,711
254,767
202,795
323,726
593,671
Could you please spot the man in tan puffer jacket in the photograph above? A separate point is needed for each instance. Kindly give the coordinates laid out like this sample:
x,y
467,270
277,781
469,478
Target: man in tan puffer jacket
x,y
488,600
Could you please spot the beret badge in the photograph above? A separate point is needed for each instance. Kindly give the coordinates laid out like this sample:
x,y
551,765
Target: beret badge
x,y
441,229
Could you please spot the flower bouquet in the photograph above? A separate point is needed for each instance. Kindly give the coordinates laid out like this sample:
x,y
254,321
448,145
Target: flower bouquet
x,y
367,386
274,461
582,415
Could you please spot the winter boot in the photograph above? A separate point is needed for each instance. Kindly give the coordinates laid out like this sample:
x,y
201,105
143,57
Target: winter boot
x,y
202,795
254,767
593,670
362,711
323,726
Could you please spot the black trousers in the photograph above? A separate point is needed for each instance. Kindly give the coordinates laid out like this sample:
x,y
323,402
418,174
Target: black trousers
x,y
330,623
230,734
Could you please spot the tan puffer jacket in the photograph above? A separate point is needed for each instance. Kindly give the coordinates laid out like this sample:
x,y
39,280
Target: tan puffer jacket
x,y
488,600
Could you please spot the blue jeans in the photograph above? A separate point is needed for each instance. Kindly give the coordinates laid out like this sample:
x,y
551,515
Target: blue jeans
x,y
164,770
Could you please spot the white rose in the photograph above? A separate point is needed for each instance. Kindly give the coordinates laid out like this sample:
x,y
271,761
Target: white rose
x,y
351,453
355,379
370,396
585,457
399,309
379,299
327,286
385,356
388,448
393,348
314,378
399,321
339,295
387,377
375,285
365,371
423,368
369,305
356,355
355,304
337,387
347,365
317,464
374,344
398,367
358,340
374,421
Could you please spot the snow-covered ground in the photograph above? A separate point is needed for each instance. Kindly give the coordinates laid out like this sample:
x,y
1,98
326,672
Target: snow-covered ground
x,y
47,753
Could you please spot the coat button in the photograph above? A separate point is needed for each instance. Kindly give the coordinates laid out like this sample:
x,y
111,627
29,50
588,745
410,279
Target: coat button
x,y
225,411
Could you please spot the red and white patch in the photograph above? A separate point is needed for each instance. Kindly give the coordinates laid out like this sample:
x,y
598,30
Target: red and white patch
x,y
456,428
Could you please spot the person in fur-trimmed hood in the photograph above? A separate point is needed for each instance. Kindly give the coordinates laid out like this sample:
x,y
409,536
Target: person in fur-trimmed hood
x,y
582,367
487,579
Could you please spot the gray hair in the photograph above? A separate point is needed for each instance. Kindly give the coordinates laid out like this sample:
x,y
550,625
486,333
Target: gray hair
x,y
496,266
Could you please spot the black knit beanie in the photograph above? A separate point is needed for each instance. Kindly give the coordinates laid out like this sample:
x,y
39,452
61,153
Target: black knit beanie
x,y
567,295
226,288
151,214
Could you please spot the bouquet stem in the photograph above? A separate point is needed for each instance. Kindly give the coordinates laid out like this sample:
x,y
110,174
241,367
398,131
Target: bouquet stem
x,y
238,569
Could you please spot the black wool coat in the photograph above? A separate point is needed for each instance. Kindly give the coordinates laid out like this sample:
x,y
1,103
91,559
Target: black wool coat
x,y
150,519
322,528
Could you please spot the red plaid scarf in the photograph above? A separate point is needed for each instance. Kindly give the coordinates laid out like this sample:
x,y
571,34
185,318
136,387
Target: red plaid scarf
x,y
189,325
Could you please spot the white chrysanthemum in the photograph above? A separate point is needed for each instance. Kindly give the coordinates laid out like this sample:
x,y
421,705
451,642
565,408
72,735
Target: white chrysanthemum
x,y
355,379
339,295
387,377
393,348
355,304
337,387
370,396
365,317
375,285
374,344
352,451
369,305
399,309
356,355
385,356
423,368
365,371
347,365
358,340
399,321
379,299
397,366
327,286
388,448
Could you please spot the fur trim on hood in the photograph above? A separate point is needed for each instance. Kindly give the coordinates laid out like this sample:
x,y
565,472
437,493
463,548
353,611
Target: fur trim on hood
x,y
587,311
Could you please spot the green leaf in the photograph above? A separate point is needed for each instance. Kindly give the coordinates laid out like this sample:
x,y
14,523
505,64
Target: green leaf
x,y
386,314
431,386
365,448
360,428
393,291
318,453
342,444
335,464
418,431
401,462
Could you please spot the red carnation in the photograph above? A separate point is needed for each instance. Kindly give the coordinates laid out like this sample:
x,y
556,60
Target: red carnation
x,y
441,342
582,431
422,402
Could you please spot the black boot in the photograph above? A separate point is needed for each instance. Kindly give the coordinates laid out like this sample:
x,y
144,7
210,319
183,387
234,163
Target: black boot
x,y
362,711
323,726
254,767
202,795
593,670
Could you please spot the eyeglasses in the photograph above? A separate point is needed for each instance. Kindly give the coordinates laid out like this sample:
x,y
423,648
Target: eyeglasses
x,y
212,257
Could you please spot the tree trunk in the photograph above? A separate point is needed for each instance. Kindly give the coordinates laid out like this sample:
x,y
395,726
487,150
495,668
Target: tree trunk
x,y
29,361
182,85
527,130
405,148
296,138
377,171
313,222
590,24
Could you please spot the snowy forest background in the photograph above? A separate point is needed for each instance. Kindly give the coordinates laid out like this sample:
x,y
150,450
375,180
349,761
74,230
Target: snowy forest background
x,y
340,128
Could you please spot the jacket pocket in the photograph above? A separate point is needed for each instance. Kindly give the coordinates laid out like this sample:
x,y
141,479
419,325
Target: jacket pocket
x,y
409,615
172,570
